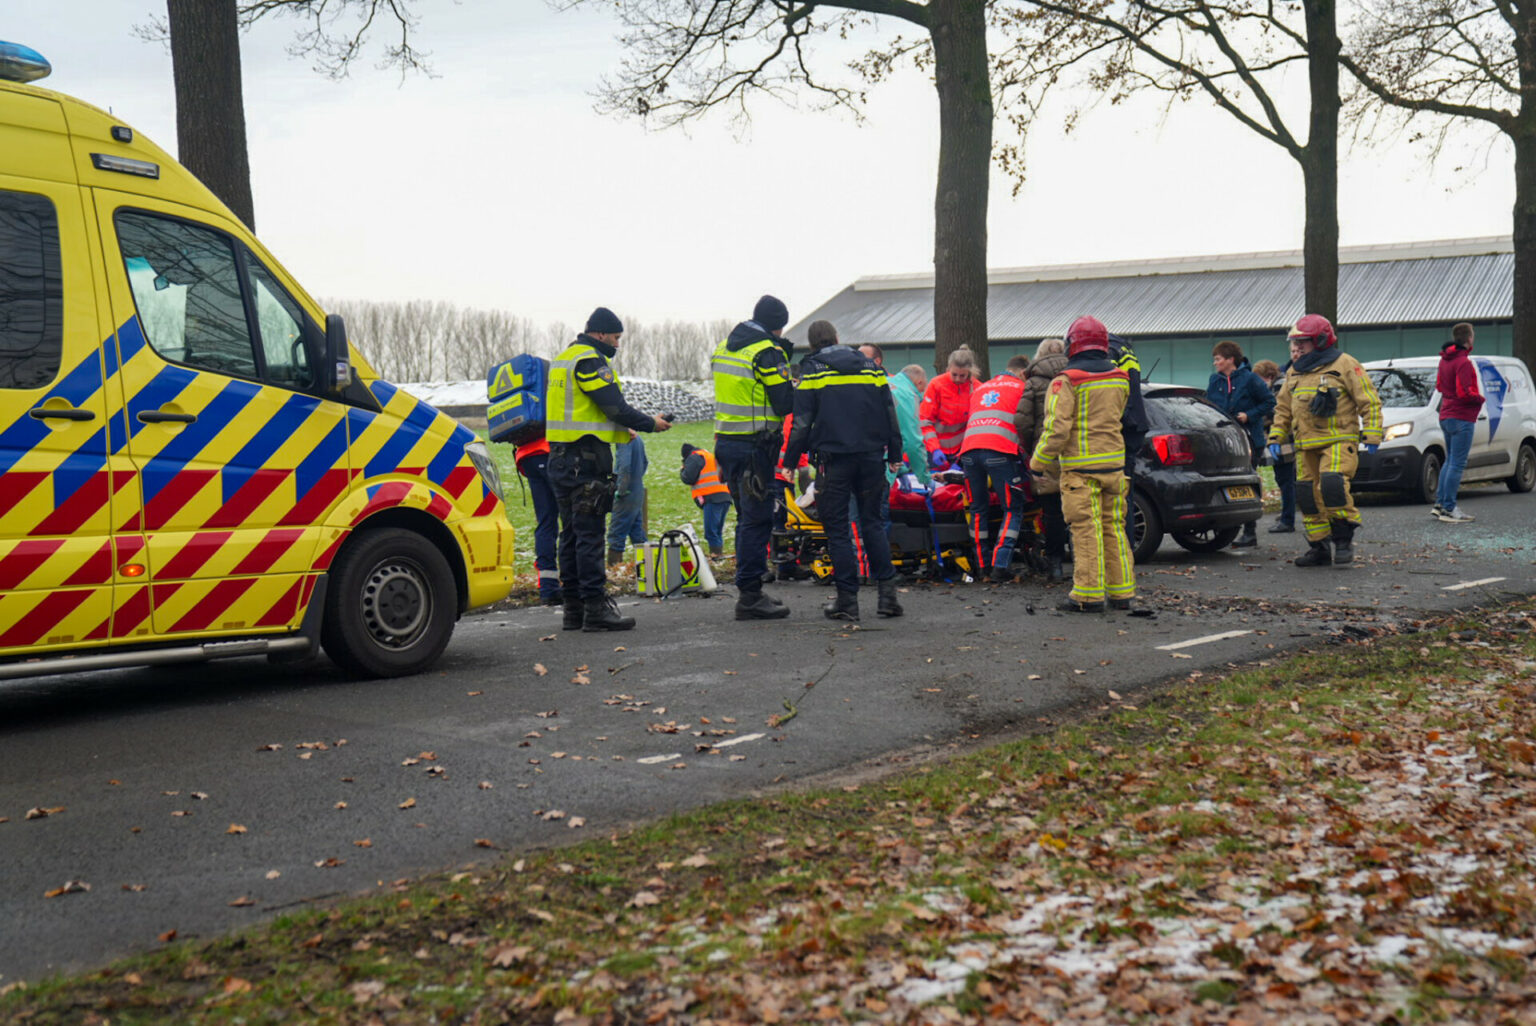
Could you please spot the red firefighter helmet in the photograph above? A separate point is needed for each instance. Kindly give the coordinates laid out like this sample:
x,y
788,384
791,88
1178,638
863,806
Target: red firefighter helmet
x,y
1087,333
1316,329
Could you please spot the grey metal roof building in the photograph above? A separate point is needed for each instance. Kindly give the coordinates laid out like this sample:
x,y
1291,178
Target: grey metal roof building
x,y
1394,300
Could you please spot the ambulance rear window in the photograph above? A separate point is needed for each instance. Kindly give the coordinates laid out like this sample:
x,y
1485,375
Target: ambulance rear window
x,y
31,291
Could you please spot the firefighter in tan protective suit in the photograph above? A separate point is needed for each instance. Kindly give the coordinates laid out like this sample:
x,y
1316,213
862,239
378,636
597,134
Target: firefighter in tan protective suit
x,y
1081,442
1330,407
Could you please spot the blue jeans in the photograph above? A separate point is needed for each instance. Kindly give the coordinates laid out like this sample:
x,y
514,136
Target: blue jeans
x,y
736,455
1285,480
842,478
1458,442
714,524
627,521
546,513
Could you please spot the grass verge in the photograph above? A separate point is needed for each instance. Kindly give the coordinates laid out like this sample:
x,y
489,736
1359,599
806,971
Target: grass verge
x,y
1344,835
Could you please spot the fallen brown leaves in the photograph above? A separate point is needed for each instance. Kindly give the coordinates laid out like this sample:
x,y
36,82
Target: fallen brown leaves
x,y
1339,838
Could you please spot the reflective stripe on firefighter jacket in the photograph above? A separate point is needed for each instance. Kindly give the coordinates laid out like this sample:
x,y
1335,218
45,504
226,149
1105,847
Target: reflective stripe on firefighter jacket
x,y
1356,412
741,396
943,413
1082,421
990,425
572,413
709,482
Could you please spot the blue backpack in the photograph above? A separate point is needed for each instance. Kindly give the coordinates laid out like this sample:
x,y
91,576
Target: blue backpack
x,y
517,390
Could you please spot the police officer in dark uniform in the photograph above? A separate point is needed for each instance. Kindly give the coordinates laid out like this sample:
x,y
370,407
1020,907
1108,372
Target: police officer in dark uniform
x,y
586,415
844,414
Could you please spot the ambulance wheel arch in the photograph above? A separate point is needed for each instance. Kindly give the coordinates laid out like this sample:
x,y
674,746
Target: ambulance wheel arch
x,y
393,594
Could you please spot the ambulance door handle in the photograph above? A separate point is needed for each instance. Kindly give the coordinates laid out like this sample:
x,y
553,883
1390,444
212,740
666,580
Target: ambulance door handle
x,y
64,413
161,417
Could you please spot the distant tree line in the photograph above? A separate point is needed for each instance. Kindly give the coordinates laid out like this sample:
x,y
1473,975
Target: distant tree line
x,y
432,340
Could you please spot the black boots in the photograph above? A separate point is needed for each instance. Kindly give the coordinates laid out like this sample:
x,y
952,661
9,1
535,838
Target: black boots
x,y
844,607
752,604
602,614
1072,605
573,614
888,605
1343,541
1053,567
1318,555
1249,538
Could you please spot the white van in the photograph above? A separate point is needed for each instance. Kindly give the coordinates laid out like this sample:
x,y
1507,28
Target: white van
x,y
1413,448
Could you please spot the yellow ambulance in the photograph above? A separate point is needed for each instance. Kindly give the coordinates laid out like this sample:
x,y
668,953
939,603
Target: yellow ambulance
x,y
194,463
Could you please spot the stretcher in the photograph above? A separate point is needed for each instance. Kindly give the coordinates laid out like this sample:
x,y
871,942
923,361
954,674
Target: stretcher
x,y
930,535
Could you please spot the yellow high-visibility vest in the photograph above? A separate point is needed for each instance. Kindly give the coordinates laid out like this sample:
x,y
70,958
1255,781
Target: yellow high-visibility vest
x,y
572,413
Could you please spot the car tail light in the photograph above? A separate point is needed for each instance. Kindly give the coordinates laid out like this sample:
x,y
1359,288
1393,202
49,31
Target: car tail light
x,y
1173,450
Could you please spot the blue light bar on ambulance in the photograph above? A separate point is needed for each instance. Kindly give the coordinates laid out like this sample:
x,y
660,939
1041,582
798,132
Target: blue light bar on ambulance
x,y
125,165
22,63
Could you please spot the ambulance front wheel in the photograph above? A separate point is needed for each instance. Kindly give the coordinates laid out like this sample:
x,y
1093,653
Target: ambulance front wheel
x,y
390,606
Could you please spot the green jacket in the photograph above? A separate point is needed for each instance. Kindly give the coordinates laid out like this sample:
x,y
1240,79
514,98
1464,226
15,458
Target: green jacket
x,y
907,397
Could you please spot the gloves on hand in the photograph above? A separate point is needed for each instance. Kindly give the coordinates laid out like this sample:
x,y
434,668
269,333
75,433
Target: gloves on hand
x,y
1371,447
1274,452
937,460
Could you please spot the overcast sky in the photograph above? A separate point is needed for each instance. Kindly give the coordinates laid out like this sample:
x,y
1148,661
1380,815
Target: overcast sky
x,y
495,184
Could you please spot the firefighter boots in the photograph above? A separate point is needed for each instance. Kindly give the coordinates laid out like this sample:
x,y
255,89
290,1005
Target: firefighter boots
x,y
1318,555
1343,541
888,605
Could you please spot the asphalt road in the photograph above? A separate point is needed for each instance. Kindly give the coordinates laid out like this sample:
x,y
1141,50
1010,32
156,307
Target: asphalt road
x,y
205,798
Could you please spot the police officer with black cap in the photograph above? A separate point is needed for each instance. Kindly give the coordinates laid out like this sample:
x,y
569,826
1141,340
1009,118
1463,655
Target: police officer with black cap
x,y
752,395
587,413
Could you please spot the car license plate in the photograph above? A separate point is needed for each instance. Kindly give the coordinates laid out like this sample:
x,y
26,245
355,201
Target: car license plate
x,y
1240,492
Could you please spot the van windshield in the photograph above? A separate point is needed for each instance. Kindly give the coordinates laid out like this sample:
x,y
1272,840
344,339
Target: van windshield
x,y
1404,386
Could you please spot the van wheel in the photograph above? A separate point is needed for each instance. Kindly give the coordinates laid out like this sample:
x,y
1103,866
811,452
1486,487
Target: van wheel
x,y
391,606
1429,475
1146,527
1524,478
1208,540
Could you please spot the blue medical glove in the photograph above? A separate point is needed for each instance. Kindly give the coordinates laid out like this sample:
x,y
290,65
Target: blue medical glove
x,y
1274,452
937,460
1371,447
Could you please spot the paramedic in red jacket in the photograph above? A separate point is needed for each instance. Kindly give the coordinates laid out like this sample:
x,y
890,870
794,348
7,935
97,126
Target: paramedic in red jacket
x,y
989,455
1460,402
945,408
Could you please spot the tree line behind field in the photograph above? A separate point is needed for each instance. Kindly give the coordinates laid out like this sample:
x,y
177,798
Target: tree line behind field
x,y
433,340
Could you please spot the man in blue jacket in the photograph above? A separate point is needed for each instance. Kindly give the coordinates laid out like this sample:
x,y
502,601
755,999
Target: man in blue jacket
x,y
1244,397
845,418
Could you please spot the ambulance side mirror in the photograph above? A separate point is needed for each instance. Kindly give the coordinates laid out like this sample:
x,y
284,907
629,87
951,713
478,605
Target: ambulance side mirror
x,y
338,363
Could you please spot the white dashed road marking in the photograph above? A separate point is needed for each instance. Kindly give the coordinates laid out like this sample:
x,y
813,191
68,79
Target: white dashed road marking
x,y
1473,584
651,760
1202,641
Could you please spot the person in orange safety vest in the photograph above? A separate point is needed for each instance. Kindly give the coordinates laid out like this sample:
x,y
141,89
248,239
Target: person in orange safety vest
x,y
701,473
989,455
946,407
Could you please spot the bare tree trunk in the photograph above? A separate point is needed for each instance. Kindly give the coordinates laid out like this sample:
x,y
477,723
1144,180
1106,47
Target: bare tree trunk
x,y
959,32
210,108
1320,162
1524,330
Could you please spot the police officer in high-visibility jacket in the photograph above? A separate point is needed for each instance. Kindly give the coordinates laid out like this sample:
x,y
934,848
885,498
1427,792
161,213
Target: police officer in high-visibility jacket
x,y
752,397
989,455
1083,436
845,417
1329,406
586,414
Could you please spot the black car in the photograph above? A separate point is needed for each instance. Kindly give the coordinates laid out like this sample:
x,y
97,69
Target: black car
x,y
1193,477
